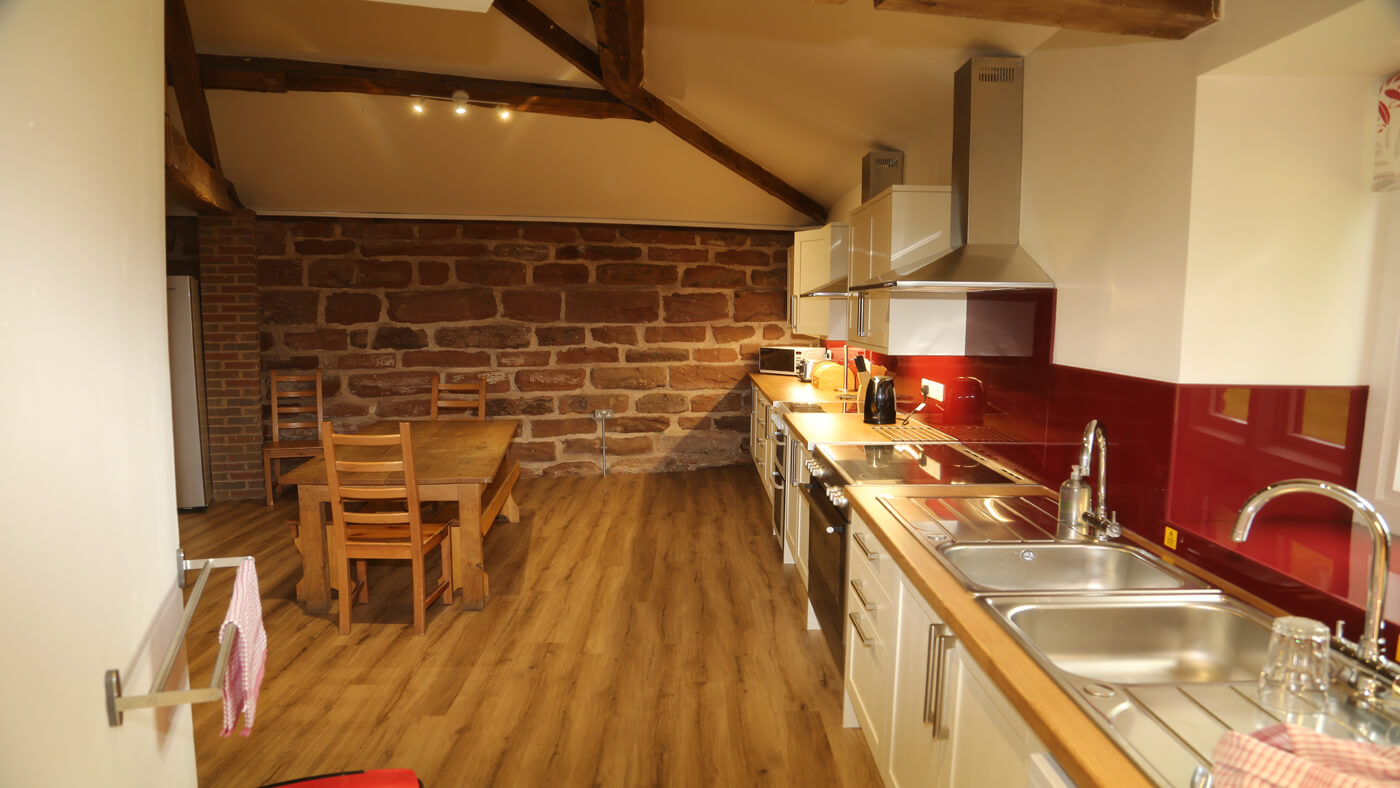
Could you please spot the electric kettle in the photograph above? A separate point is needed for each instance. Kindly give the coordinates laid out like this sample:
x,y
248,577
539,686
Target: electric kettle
x,y
879,400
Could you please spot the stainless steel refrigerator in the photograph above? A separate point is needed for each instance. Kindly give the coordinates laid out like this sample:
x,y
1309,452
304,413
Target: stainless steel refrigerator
x,y
192,482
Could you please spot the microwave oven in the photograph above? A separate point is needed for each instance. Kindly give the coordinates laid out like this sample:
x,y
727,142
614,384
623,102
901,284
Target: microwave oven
x,y
784,359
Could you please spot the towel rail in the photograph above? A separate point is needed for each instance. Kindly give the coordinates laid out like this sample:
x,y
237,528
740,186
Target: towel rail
x,y
117,704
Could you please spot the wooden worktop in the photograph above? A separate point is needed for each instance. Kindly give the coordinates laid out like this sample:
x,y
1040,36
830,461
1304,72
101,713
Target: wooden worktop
x,y
1079,745
787,388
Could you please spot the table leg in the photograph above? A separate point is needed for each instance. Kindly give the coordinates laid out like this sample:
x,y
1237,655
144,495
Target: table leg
x,y
511,510
470,569
314,587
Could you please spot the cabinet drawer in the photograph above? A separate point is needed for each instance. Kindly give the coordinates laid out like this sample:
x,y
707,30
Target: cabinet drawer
x,y
866,549
871,628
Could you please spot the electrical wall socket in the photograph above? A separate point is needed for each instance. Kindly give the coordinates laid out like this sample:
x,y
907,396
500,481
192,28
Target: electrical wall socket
x,y
935,389
605,413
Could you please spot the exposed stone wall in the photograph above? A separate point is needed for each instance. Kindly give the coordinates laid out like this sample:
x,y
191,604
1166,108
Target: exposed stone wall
x,y
659,324
229,308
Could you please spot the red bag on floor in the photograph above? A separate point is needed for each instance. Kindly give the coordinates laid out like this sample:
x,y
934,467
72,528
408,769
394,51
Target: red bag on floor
x,y
375,778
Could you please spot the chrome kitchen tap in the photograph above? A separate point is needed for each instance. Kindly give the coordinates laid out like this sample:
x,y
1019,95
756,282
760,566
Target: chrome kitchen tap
x,y
1368,648
1078,521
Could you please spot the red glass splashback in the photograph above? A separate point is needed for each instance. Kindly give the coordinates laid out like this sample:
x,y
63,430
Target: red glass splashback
x,y
1183,456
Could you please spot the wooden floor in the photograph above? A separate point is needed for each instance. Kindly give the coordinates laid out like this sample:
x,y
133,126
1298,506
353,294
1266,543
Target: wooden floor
x,y
641,631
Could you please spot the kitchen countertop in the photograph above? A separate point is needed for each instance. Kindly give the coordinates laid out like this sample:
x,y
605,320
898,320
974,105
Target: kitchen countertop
x,y
787,388
1078,744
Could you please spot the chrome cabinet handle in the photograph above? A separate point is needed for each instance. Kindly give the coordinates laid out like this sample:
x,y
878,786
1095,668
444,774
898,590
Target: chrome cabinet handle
x,y
935,680
858,586
865,640
864,548
860,315
792,315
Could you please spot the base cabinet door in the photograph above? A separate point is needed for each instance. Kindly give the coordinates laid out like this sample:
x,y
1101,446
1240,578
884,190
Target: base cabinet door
x,y
992,744
919,729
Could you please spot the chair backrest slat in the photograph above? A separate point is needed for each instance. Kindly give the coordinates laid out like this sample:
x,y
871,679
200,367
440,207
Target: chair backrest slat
x,y
392,479
295,394
459,397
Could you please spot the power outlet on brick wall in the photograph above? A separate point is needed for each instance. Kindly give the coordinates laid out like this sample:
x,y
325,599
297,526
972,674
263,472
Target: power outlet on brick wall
x,y
604,413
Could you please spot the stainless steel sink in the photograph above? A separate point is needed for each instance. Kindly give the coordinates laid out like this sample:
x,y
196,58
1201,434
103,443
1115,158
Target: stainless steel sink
x,y
986,568
1142,640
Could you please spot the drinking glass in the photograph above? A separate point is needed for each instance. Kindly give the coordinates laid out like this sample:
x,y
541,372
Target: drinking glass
x,y
1296,672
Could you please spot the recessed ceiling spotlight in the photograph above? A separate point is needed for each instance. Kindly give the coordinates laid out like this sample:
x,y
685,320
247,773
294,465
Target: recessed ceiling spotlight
x,y
504,113
418,106
459,102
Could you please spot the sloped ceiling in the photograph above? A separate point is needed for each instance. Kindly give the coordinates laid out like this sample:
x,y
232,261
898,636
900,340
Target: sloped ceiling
x,y
805,89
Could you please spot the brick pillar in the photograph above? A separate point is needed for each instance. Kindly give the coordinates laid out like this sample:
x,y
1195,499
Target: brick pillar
x,y
228,287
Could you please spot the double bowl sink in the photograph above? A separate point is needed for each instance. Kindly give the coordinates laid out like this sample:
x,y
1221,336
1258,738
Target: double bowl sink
x,y
1164,662
1112,613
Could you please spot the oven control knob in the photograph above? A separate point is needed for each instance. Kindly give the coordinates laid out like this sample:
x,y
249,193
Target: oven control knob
x,y
837,496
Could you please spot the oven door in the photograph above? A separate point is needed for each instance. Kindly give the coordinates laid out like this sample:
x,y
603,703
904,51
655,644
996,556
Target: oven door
x,y
826,568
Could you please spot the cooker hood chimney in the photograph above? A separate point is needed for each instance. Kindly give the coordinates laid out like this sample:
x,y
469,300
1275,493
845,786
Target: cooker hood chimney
x,y
986,221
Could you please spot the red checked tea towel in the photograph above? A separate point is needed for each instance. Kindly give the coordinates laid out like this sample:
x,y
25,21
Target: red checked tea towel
x,y
244,677
1288,756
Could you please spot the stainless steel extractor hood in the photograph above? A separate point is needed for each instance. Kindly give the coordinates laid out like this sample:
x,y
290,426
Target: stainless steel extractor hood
x,y
986,221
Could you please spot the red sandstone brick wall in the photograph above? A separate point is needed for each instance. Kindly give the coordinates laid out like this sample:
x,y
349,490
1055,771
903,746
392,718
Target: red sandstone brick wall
x,y
660,325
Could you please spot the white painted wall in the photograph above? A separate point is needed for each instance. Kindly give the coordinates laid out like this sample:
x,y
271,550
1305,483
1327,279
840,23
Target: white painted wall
x,y
1280,254
1116,205
87,472
1379,480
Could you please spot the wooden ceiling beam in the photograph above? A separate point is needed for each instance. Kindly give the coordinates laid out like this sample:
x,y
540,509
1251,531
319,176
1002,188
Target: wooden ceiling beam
x,y
538,24
192,180
182,72
711,146
275,75
1170,19
619,27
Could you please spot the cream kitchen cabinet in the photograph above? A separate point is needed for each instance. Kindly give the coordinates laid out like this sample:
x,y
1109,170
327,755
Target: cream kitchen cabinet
x,y
898,228
918,728
818,256
929,714
796,512
759,434
905,324
992,745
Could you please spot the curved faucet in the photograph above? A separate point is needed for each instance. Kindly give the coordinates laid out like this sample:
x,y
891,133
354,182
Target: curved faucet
x,y
1094,434
1368,649
1100,525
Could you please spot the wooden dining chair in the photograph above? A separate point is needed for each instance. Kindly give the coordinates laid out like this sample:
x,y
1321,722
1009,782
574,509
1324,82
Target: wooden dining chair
x,y
449,398
295,397
375,514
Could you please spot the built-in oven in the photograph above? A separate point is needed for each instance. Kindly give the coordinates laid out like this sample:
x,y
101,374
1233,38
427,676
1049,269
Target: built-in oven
x,y
827,519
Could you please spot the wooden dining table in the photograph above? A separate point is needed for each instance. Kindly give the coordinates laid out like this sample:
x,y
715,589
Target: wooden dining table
x,y
456,460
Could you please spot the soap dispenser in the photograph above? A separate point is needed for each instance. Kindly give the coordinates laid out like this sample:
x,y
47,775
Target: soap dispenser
x,y
1074,502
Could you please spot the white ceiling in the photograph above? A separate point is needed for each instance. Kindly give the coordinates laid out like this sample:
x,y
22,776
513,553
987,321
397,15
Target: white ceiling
x,y
803,88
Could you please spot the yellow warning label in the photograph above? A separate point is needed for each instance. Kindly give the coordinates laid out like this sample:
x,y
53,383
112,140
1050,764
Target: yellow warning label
x,y
1169,539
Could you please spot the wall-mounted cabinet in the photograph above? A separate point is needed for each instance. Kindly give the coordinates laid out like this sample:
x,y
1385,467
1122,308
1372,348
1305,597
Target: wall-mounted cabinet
x,y
906,324
900,227
818,256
